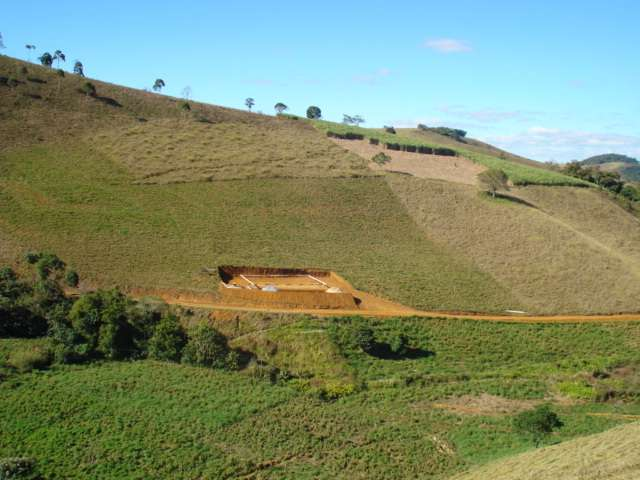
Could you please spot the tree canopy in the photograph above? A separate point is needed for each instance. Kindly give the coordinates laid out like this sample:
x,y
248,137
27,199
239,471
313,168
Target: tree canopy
x,y
494,180
280,107
158,85
249,103
314,112
46,59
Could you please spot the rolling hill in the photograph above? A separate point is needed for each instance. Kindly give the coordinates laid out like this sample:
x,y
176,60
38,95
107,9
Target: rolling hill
x,y
627,167
135,189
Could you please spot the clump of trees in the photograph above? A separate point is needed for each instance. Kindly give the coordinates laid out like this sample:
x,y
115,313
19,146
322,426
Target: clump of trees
x,y
105,324
454,133
494,180
314,113
538,423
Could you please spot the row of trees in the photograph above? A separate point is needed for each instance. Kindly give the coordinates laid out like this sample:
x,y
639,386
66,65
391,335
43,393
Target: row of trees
x,y
313,112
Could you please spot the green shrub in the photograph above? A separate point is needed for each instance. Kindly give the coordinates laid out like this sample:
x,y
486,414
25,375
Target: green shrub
x,y
206,347
168,340
71,278
537,423
374,141
17,468
336,390
381,158
29,359
398,344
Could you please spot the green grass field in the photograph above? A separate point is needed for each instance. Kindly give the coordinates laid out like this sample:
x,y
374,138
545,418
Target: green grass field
x,y
147,419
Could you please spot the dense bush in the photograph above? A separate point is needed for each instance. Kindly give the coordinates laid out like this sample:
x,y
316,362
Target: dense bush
x,y
374,141
537,423
168,340
102,324
425,150
393,146
410,148
454,133
18,315
447,152
29,359
345,136
206,347
381,158
18,469
389,129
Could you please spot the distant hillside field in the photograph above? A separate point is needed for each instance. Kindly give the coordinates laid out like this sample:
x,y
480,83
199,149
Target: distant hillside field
x,y
133,189
627,167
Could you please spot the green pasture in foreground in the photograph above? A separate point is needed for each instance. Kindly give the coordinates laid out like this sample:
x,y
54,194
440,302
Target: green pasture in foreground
x,y
149,419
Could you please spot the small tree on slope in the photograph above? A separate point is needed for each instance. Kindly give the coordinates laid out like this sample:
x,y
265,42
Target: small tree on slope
x,y
494,180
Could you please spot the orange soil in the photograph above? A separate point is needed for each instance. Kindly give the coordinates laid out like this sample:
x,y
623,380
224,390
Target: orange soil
x,y
378,307
451,169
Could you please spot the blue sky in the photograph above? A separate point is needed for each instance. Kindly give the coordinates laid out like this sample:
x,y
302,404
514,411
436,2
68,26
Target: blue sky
x,y
552,80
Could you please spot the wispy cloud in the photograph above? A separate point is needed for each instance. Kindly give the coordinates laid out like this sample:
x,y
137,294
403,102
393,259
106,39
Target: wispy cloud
x,y
447,45
545,143
372,78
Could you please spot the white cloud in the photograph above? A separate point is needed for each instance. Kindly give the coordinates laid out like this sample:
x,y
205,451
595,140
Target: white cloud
x,y
447,45
543,143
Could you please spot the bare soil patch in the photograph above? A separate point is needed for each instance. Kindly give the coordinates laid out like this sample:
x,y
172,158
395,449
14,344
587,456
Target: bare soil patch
x,y
438,167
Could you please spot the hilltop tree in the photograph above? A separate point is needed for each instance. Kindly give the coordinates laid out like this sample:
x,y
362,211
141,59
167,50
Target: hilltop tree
x,y
57,56
78,68
186,92
349,120
358,120
29,48
314,112
158,85
494,180
46,59
249,102
280,107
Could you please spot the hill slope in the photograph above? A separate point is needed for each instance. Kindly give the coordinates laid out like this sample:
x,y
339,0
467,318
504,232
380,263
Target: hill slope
x,y
627,167
132,189
613,455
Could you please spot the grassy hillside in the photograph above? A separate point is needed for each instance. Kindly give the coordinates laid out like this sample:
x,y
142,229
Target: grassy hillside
x,y
149,419
83,199
564,249
133,190
612,455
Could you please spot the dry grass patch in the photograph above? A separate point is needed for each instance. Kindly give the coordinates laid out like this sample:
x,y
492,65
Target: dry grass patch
x,y
175,150
612,455
564,256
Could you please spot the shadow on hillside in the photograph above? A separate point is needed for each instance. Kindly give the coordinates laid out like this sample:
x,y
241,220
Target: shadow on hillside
x,y
36,80
511,198
109,101
383,351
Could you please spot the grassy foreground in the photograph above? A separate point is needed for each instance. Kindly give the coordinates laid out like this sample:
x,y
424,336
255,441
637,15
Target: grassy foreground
x,y
148,419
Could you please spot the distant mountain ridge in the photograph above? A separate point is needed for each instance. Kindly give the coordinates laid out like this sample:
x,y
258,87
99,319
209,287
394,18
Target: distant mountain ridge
x,y
627,167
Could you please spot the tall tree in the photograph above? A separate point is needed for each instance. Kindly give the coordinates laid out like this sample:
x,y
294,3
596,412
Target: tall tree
x,y
280,107
29,48
78,68
186,92
249,102
314,112
158,85
494,180
57,56
46,59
